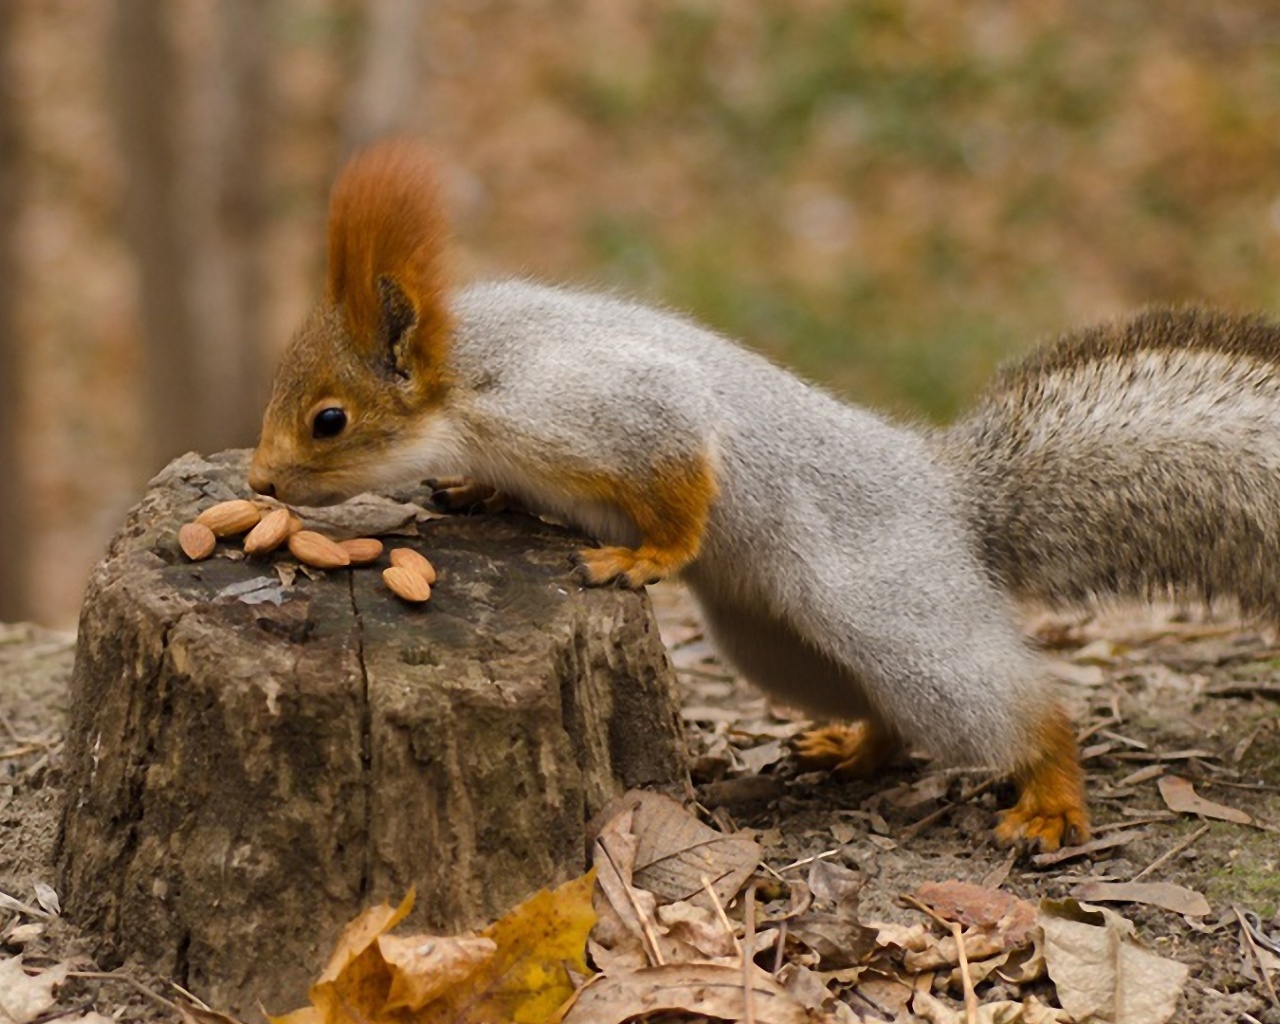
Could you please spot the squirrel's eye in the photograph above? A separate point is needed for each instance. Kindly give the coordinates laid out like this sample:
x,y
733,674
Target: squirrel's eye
x,y
328,423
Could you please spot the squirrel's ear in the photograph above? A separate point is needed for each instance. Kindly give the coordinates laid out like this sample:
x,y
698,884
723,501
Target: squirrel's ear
x,y
399,317
386,254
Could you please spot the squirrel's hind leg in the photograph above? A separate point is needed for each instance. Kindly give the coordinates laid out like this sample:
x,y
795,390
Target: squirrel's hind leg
x,y
1051,808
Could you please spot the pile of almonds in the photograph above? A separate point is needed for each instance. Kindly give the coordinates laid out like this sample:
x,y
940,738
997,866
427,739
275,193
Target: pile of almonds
x,y
266,528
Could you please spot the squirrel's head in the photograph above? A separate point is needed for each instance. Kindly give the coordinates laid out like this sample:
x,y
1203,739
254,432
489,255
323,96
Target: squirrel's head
x,y
368,368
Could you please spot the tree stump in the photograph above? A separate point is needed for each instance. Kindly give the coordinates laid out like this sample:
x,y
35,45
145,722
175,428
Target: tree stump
x,y
243,778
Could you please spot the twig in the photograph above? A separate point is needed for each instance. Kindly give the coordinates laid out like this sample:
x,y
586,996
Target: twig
x,y
134,982
957,933
646,929
1257,957
748,951
970,996
702,673
1168,855
780,950
808,860
44,1018
724,918
942,812
22,751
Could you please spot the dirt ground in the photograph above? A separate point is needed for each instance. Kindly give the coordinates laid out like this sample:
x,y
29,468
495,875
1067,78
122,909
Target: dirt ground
x,y
1156,694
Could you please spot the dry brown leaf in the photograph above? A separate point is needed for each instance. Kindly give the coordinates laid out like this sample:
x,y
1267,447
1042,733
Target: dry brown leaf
x,y
1165,895
367,515
1042,860
975,905
1100,970
711,990
618,940
24,997
675,852
1180,795
1031,1011
692,932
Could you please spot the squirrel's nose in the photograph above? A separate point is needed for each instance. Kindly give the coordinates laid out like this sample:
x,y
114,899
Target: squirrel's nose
x,y
260,481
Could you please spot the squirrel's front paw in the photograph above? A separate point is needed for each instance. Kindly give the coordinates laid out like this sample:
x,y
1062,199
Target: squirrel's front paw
x,y
854,750
458,494
623,567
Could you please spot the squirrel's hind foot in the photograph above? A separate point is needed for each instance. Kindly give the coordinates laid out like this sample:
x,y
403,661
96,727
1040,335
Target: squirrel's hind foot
x,y
1051,809
853,750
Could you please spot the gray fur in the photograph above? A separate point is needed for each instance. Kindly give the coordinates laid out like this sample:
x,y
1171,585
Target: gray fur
x,y
837,571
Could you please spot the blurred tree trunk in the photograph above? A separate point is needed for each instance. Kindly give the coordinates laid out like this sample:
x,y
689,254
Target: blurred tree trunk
x,y
388,76
14,537
191,131
147,109
226,191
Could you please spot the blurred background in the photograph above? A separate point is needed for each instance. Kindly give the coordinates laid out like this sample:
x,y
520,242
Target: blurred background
x,y
890,196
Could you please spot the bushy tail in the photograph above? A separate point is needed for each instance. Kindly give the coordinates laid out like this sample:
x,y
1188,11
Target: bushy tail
x,y
1139,458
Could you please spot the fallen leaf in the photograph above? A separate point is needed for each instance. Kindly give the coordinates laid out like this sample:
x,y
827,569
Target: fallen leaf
x,y
1165,895
693,932
48,898
975,905
1042,860
24,997
367,515
711,990
618,939
423,967
528,977
1180,795
675,852
1100,970
1031,1011
836,884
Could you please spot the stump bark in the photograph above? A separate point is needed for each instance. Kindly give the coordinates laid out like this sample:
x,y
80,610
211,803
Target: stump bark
x,y
243,778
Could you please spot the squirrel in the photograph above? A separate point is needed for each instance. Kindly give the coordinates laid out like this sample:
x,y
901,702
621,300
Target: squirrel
x,y
855,567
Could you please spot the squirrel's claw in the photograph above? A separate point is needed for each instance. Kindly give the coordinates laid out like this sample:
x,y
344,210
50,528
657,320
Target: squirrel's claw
x,y
1042,832
458,494
623,567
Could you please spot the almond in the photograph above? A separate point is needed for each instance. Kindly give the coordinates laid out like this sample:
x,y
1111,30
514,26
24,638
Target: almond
x,y
295,523
362,550
317,550
407,558
269,534
406,584
197,541
227,518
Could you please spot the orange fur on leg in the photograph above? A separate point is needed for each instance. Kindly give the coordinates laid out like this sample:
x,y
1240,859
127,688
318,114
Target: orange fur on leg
x,y
854,750
1051,808
670,510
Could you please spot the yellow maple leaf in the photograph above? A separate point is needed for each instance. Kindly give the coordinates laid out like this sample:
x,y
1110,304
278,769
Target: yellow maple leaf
x,y
357,980
517,971
527,979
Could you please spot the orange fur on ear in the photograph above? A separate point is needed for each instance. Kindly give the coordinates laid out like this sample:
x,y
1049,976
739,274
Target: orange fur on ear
x,y
386,221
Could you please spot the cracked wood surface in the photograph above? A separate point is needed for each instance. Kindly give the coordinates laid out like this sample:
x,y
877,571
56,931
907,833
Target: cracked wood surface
x,y
244,778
